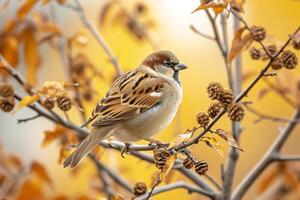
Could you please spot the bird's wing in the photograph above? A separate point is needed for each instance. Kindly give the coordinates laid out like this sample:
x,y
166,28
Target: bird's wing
x,y
130,95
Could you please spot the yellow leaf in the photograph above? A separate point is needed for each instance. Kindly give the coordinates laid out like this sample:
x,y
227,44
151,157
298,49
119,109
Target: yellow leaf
x,y
229,138
40,171
25,8
181,138
213,143
238,43
32,58
27,100
50,136
167,167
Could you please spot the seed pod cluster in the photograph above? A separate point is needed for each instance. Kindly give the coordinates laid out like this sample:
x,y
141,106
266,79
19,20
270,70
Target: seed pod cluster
x,y
200,166
202,119
236,112
7,101
255,53
64,103
216,92
296,43
289,59
48,103
258,33
160,157
214,109
139,188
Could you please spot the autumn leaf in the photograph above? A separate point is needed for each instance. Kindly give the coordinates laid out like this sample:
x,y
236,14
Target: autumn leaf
x,y
213,143
167,167
15,161
32,58
181,138
9,49
63,154
238,44
40,171
25,8
27,100
229,138
50,136
216,7
30,190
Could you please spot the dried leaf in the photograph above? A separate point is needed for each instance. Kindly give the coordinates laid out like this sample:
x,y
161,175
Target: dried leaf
x,y
216,7
15,162
213,143
167,167
238,44
181,138
27,100
50,136
32,58
105,11
63,154
229,138
9,49
25,8
40,171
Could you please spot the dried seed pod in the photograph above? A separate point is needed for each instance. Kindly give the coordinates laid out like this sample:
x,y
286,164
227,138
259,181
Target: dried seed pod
x,y
160,157
64,103
201,167
48,103
258,33
277,64
6,90
236,112
272,49
289,59
296,43
214,109
226,98
202,119
255,53
215,90
139,189
7,104
188,163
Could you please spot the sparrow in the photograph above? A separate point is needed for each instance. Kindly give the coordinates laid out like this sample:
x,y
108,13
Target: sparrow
x,y
138,105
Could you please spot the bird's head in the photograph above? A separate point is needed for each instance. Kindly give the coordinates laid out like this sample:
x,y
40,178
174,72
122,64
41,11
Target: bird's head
x,y
164,62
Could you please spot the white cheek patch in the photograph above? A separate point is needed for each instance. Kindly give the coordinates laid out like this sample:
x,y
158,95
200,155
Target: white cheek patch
x,y
155,94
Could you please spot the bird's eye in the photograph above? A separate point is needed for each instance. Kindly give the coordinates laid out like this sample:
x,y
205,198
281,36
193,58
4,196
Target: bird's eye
x,y
168,63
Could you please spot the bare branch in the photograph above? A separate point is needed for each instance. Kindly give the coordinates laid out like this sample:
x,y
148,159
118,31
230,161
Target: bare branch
x,y
92,28
288,158
190,188
28,119
195,30
266,160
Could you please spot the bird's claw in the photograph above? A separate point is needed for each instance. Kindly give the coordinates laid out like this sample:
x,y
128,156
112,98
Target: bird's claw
x,y
125,149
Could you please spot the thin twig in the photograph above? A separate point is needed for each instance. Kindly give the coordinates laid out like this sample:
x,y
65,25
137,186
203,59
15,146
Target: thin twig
x,y
266,160
92,28
288,158
28,119
195,30
190,188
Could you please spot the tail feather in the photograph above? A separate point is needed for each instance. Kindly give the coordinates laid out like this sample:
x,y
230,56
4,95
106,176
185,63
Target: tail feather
x,y
85,147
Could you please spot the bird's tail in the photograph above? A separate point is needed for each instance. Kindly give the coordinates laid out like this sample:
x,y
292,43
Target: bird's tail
x,y
85,147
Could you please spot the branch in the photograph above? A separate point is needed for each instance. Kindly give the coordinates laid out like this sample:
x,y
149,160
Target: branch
x,y
195,30
28,119
93,30
267,159
288,158
190,188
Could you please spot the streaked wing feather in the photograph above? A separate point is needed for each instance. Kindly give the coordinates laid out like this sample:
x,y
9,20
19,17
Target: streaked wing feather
x,y
129,95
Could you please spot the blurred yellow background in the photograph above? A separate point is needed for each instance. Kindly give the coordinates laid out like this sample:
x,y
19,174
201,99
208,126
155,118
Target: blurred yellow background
x,y
172,32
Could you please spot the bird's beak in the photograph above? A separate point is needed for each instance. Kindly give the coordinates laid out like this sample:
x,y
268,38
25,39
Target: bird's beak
x,y
180,66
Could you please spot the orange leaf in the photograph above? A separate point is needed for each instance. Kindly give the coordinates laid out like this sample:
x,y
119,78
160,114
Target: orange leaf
x,y
229,138
167,167
40,171
238,43
32,58
50,136
25,8
9,49
30,190
63,154
217,7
